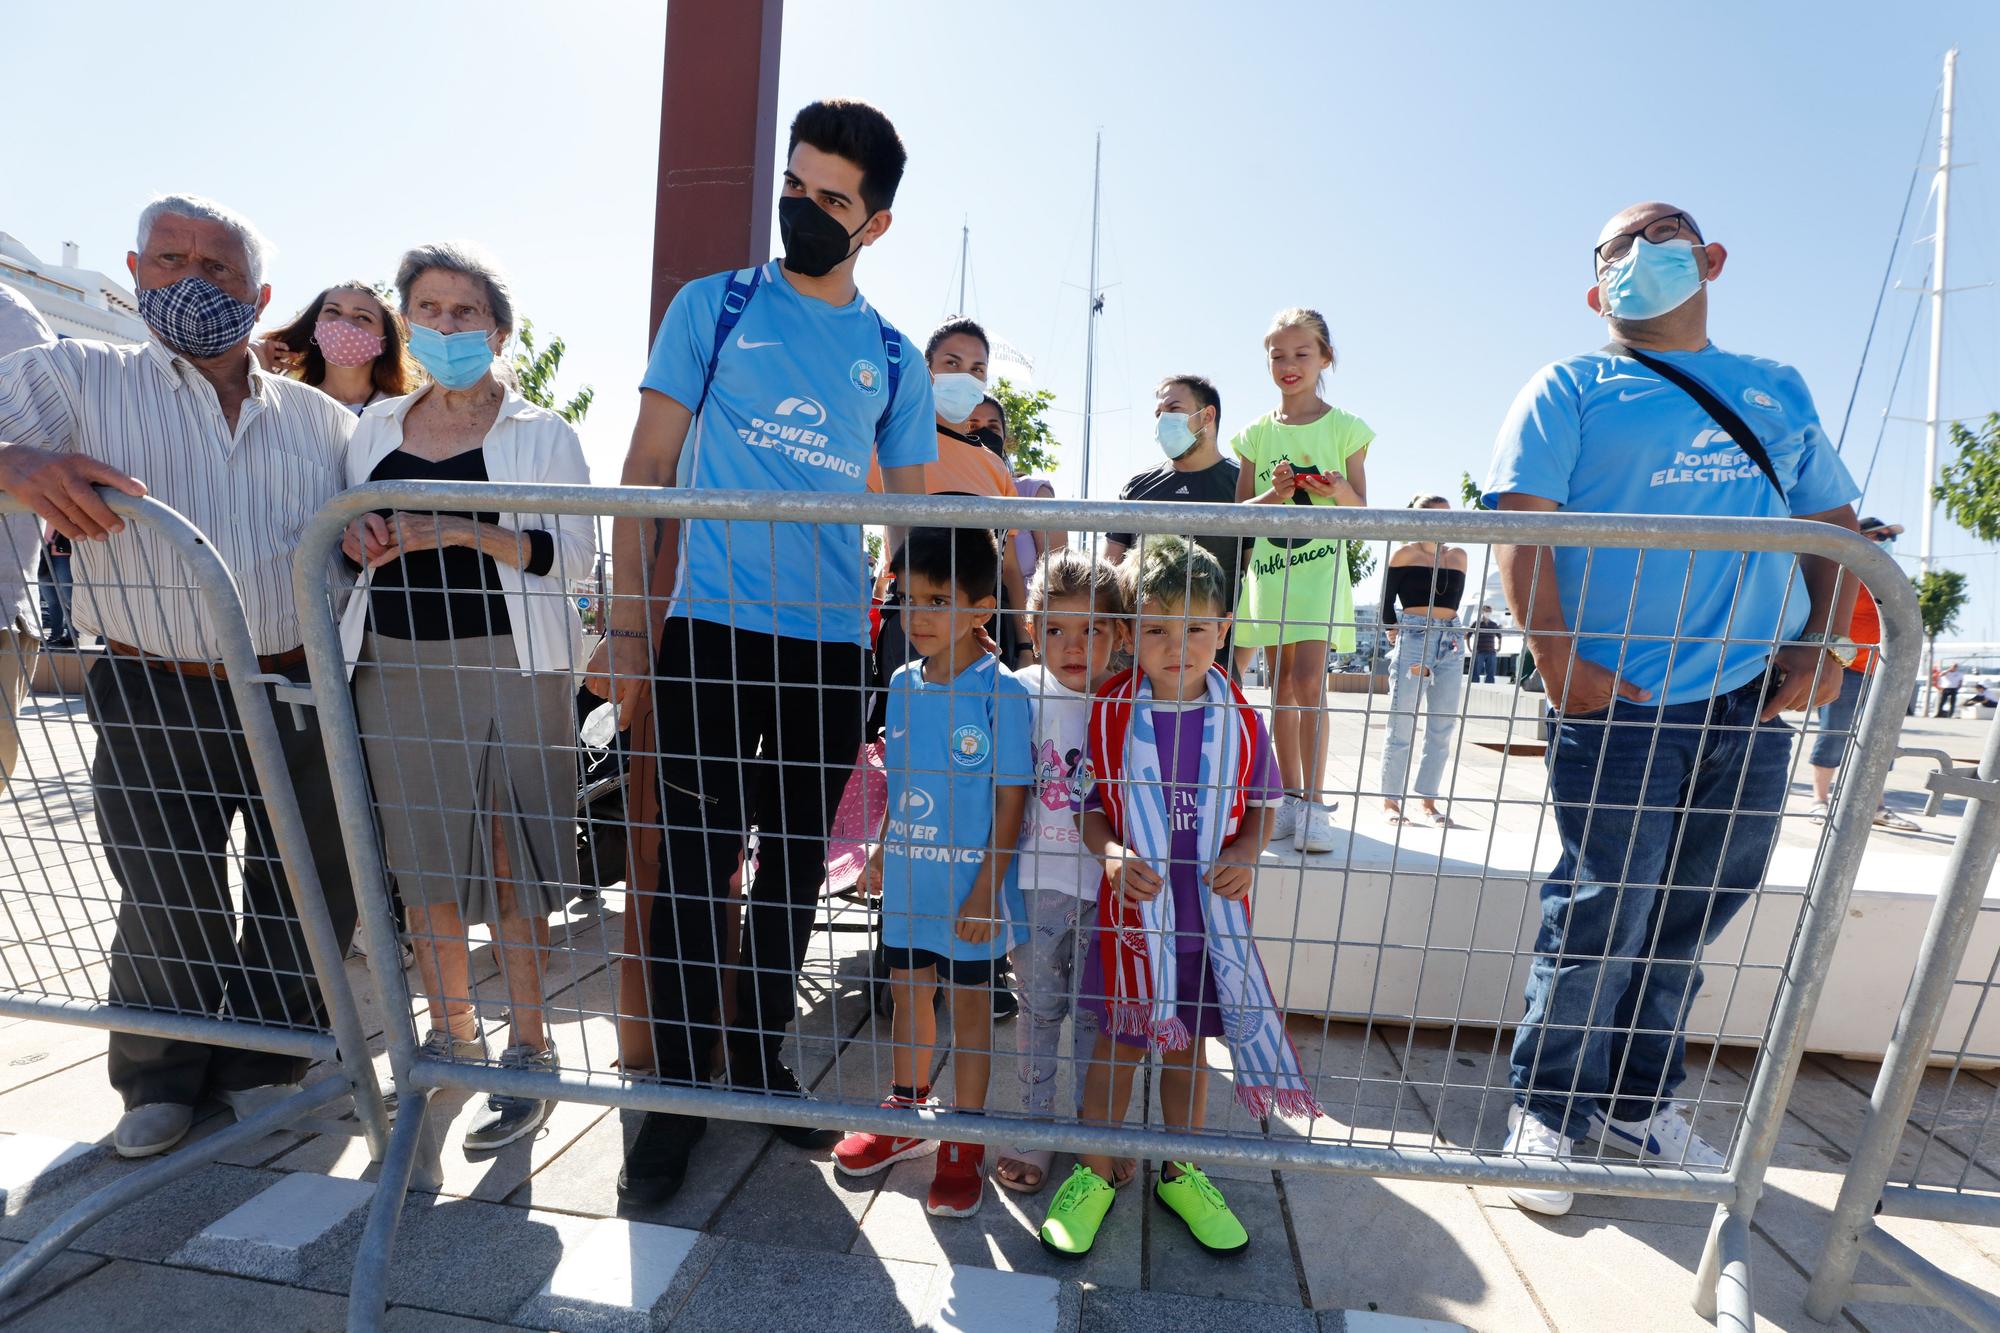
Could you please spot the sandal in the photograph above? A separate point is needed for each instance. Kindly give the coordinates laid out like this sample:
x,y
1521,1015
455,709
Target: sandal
x,y
1124,1171
1037,1160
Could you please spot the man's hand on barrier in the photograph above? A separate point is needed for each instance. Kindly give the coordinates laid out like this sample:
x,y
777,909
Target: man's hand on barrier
x,y
60,488
1130,877
1576,685
365,540
621,670
1809,677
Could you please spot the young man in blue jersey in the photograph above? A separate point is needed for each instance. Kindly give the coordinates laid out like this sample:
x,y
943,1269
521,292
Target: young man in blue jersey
x,y
781,378
1666,672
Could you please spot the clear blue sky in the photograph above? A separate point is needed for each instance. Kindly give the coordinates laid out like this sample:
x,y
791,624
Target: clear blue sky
x,y
1428,176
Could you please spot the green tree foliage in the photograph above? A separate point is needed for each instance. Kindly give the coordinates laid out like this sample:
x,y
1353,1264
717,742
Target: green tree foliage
x,y
1969,486
1028,430
1360,562
535,369
1469,493
1941,595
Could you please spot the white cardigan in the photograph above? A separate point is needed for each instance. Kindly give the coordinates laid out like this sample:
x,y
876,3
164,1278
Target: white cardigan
x,y
526,443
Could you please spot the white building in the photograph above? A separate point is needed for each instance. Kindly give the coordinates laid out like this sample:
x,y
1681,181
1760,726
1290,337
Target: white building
x,y
77,302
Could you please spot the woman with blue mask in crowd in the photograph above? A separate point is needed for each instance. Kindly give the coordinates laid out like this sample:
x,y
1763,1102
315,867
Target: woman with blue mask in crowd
x,y
467,644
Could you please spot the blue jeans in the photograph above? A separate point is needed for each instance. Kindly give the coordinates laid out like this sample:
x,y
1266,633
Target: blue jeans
x,y
1485,667
1658,853
1836,721
1428,677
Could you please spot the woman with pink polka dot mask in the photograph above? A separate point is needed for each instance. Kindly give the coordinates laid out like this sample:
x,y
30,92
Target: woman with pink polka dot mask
x,y
347,344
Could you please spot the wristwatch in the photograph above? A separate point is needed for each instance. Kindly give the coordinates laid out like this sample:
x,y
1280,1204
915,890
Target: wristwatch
x,y
1844,650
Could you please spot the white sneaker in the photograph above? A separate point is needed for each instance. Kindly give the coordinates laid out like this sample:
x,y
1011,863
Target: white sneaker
x,y
1315,828
1529,1137
1667,1137
1285,821
1887,818
1817,812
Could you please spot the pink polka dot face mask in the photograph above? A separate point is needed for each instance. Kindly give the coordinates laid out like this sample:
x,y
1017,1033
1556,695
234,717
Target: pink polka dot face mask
x,y
346,344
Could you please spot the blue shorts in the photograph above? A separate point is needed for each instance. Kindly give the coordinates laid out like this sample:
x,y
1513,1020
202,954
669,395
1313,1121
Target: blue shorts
x,y
957,971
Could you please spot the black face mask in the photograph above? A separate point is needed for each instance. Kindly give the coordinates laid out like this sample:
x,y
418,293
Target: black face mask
x,y
815,244
990,438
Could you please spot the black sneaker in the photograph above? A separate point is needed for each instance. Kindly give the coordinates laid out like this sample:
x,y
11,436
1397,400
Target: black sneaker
x,y
779,1081
657,1162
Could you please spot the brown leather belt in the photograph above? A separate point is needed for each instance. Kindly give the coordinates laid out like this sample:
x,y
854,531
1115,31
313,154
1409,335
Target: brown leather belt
x,y
276,662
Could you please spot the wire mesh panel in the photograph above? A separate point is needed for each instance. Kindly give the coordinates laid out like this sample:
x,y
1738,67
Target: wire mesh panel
x,y
1178,856
156,876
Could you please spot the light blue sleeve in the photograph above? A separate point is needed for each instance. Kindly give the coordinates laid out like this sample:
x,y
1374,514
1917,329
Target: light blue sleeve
x,y
1824,482
1013,734
910,436
1538,445
678,366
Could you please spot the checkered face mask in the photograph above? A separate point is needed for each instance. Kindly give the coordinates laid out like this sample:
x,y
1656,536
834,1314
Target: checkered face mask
x,y
195,317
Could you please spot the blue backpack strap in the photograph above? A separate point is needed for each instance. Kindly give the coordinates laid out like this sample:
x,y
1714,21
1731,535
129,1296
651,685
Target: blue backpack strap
x,y
892,354
735,300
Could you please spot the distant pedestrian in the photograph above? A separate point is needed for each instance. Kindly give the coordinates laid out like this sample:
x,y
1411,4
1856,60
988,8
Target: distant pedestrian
x,y
1485,647
1949,681
1836,716
1297,600
1427,579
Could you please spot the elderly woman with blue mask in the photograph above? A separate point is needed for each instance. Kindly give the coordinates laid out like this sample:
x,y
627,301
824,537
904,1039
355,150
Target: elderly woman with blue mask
x,y
467,644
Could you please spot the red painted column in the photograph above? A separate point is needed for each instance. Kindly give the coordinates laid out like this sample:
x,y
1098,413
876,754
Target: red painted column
x,y
718,180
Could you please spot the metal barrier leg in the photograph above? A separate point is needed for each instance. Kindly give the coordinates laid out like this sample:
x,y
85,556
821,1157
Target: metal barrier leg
x,y
1895,1092
54,1238
1974,1306
368,1297
1722,1283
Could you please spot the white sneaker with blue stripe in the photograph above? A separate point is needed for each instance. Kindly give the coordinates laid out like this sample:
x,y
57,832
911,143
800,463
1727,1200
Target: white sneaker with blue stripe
x,y
1528,1137
1668,1138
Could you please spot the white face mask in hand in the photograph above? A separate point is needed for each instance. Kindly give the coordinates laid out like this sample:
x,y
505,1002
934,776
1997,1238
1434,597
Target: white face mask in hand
x,y
956,394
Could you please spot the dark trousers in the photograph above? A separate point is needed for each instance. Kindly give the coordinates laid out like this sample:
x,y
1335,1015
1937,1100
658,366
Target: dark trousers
x,y
754,730
170,777
1947,700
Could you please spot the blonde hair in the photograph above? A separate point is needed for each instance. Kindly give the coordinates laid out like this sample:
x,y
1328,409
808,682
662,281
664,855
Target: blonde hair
x,y
1068,572
1175,572
1300,317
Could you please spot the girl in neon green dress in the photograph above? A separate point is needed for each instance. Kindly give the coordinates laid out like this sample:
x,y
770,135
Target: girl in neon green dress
x,y
1296,600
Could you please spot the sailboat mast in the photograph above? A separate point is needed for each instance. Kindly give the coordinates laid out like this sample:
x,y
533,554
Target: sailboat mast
x,y
1096,307
964,255
1931,405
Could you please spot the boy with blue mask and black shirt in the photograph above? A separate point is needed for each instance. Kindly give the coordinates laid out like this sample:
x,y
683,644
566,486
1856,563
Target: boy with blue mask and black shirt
x,y
779,378
960,761
1667,764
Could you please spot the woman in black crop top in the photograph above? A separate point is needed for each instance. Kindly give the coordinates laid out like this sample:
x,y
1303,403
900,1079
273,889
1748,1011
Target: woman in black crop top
x,y
1421,590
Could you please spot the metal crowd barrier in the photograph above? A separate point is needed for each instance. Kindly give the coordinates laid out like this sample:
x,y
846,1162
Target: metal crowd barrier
x,y
1930,1147
198,959
1398,958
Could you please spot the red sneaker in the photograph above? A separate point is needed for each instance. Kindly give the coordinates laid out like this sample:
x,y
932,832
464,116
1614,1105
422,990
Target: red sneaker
x,y
864,1154
960,1182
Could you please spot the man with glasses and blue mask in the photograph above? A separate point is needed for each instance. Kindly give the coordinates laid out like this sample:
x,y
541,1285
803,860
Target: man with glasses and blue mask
x,y
1666,672
190,418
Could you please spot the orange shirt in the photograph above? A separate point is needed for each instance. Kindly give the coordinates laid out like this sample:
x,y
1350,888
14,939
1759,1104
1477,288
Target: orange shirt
x,y
1865,627
960,469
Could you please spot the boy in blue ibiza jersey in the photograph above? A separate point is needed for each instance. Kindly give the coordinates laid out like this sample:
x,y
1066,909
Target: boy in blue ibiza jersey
x,y
781,378
1666,671
960,760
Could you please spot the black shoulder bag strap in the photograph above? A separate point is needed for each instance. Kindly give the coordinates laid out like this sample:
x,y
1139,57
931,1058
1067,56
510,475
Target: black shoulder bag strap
x,y
1723,414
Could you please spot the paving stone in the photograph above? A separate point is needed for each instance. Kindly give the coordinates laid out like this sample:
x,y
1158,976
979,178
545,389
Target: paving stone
x,y
1119,1310
1371,1321
458,1256
768,1287
411,1319
1263,1273
77,1099
274,1235
153,1226
149,1296
611,1276
32,1164
792,1198
32,1050
59,1272
1004,1234
584,1177
1406,1247
983,1300
1636,1274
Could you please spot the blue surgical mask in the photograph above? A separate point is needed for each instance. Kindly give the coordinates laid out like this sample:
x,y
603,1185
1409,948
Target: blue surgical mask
x,y
1173,434
956,394
1651,280
454,360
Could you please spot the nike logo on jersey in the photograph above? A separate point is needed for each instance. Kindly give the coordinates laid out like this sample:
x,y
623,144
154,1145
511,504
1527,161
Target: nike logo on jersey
x,y
749,346
1627,395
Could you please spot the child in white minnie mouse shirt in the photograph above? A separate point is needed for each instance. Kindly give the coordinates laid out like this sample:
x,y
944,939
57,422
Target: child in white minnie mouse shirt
x,y
1077,608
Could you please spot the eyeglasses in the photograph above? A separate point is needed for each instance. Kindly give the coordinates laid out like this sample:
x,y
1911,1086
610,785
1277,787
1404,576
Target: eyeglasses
x,y
1880,536
1659,231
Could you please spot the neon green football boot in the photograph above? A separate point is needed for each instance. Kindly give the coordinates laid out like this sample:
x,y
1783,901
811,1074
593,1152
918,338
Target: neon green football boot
x,y
1199,1204
1077,1213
